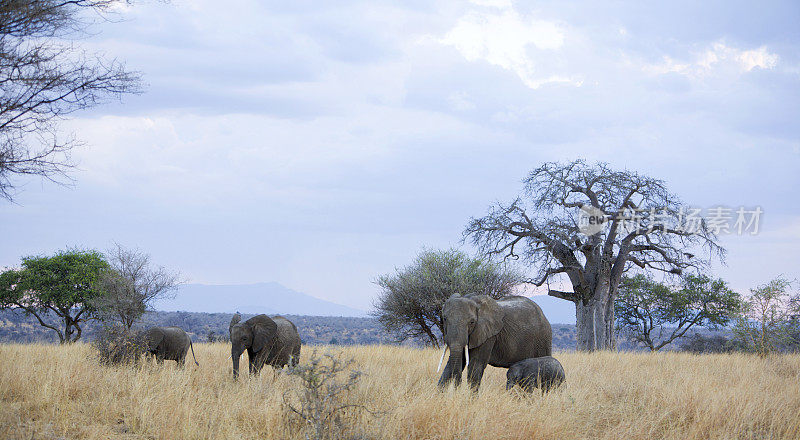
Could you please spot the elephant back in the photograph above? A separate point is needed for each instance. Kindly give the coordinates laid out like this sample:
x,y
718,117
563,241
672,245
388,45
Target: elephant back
x,y
287,331
289,340
526,331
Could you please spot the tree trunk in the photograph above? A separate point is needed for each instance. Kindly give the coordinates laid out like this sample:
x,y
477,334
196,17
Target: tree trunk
x,y
595,321
428,332
67,331
78,332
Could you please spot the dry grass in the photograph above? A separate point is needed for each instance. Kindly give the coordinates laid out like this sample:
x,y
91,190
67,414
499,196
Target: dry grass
x,y
61,392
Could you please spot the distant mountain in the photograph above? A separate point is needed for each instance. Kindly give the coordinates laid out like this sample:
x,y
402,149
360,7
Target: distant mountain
x,y
273,298
269,298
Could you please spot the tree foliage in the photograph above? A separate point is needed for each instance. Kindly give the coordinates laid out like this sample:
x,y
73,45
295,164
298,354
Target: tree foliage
x,y
131,284
641,224
700,344
770,318
44,77
64,285
411,300
655,314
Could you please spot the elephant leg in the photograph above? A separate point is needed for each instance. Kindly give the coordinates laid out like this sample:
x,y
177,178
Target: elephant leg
x,y
261,360
510,384
275,359
479,357
475,374
181,361
256,362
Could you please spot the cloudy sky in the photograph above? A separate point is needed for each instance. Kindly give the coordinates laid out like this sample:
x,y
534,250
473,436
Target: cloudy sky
x,y
320,146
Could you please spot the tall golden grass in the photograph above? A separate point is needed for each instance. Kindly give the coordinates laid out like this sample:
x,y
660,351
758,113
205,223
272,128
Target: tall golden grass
x,y
61,392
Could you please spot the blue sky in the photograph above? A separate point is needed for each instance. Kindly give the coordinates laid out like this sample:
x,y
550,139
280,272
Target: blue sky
x,y
321,145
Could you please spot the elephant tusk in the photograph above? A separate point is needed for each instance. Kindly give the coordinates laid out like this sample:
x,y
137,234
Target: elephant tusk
x,y
444,350
466,353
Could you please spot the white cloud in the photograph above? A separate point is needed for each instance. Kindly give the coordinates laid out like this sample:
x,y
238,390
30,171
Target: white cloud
x,y
460,101
493,3
209,157
718,58
507,39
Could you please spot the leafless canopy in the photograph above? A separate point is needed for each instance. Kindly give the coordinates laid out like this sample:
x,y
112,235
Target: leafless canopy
x,y
132,285
643,227
323,404
43,78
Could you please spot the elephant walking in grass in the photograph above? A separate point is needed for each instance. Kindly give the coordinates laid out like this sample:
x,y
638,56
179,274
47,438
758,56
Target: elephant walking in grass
x,y
170,343
480,330
543,372
274,341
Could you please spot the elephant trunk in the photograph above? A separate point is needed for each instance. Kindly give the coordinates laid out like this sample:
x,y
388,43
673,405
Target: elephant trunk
x,y
452,372
235,355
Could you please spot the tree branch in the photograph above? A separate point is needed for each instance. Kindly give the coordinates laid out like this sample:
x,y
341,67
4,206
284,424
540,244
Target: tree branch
x,y
569,296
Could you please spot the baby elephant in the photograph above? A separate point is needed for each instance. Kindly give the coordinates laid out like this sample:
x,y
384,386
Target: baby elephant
x,y
170,343
545,371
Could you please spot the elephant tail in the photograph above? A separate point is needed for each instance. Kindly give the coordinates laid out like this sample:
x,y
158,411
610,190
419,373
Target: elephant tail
x,y
192,348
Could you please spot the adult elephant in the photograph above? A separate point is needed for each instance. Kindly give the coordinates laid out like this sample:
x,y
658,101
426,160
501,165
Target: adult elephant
x,y
479,330
272,341
170,343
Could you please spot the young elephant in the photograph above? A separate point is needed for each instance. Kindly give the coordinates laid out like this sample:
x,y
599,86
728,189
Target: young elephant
x,y
170,343
545,371
273,341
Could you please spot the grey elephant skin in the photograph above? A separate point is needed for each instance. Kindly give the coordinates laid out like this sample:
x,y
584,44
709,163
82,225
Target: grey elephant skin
x,y
494,332
170,343
545,372
274,341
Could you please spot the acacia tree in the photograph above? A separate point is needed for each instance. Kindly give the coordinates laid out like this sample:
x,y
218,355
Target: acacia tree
x,y
131,284
410,304
627,219
768,321
655,314
64,285
44,77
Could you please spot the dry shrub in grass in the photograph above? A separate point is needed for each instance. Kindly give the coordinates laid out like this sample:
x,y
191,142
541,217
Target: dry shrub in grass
x,y
116,345
323,402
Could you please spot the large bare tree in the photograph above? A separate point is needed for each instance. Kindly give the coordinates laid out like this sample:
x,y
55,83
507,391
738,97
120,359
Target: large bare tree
x,y
44,77
131,285
591,224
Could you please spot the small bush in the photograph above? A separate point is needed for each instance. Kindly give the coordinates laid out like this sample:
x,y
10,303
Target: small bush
x,y
212,337
116,345
712,344
323,404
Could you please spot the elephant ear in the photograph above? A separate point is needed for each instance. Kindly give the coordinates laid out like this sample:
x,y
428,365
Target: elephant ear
x,y
489,321
154,338
235,320
264,331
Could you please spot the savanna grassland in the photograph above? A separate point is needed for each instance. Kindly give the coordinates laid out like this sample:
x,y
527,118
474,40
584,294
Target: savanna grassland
x,y
49,391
